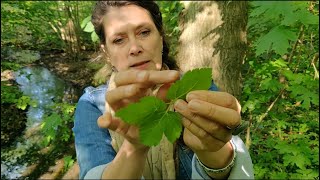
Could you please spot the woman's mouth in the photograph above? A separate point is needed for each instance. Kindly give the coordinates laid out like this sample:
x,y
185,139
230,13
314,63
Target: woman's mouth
x,y
141,65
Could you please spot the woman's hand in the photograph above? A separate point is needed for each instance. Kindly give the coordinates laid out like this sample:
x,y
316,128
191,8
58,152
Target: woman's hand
x,y
208,118
131,86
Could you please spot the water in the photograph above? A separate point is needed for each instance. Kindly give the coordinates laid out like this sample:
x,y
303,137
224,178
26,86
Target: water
x,y
45,89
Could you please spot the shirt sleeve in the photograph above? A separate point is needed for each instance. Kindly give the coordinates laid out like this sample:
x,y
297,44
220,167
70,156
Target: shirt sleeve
x,y
242,169
96,172
93,144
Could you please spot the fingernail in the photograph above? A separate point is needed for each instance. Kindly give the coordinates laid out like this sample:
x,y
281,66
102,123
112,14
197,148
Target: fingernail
x,y
141,75
179,105
194,105
103,122
173,73
191,96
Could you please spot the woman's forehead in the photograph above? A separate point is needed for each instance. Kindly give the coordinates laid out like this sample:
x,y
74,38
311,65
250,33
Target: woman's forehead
x,y
120,18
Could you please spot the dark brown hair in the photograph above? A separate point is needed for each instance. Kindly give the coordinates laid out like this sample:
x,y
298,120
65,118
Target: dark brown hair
x,y
102,7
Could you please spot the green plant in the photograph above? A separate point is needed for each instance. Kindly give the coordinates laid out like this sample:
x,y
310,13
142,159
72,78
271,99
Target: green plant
x,y
11,94
281,90
42,25
154,117
170,17
68,162
10,66
87,26
56,127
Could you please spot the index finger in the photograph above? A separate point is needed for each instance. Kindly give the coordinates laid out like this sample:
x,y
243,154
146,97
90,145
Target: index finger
x,y
218,98
145,77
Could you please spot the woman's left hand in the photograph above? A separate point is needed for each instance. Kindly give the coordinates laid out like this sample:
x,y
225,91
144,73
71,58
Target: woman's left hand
x,y
208,117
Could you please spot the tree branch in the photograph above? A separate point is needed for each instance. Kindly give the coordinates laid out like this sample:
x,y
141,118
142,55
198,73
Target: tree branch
x,y
295,44
248,137
282,90
316,73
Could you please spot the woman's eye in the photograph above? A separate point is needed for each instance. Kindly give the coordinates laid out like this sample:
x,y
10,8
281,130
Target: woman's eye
x,y
145,33
118,41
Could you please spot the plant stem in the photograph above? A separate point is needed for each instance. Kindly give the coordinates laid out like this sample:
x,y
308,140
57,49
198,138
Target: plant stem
x,y
269,108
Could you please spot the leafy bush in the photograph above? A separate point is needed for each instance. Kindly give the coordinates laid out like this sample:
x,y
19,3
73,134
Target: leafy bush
x,y
170,17
280,93
40,24
56,127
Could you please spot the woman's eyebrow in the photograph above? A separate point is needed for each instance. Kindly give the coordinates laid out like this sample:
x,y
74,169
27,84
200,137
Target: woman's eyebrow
x,y
121,31
142,25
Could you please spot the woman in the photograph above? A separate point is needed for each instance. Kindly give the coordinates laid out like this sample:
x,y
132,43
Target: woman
x,y
132,39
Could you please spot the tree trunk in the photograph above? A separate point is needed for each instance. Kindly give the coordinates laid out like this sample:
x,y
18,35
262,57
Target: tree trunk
x,y
214,35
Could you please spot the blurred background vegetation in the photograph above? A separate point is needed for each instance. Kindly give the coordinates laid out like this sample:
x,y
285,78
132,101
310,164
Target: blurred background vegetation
x,y
280,93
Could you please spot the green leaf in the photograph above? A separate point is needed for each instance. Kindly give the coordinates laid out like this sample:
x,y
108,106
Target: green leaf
x,y
307,18
140,112
284,148
272,9
301,161
306,174
85,22
50,124
288,159
297,90
152,116
94,37
148,115
279,175
308,97
151,132
279,63
251,105
68,162
23,102
290,19
89,27
197,79
172,125
270,83
288,74
277,39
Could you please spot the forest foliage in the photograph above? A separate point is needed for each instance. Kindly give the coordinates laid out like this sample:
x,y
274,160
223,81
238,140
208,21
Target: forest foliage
x,y
281,89
280,94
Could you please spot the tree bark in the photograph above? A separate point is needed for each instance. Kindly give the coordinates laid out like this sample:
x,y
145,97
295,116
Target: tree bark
x,y
214,35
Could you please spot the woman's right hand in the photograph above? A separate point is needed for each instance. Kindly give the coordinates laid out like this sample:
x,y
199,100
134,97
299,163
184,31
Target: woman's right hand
x,y
132,85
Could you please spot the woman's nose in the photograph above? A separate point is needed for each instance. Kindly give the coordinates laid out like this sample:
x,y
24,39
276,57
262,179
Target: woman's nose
x,y
135,48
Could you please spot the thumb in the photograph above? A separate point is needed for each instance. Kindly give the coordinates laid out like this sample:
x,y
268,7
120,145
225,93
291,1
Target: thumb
x,y
106,121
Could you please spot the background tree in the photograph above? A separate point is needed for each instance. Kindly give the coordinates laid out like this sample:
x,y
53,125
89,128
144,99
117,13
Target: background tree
x,y
214,35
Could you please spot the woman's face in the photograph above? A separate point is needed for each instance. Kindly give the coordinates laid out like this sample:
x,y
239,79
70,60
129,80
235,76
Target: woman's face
x,y
132,39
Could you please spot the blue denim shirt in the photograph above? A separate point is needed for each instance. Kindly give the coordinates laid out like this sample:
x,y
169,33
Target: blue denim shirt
x,y
94,150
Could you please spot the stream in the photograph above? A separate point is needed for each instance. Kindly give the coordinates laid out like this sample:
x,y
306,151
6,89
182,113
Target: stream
x,y
45,89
